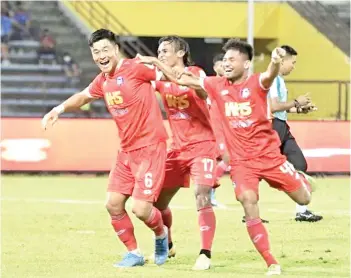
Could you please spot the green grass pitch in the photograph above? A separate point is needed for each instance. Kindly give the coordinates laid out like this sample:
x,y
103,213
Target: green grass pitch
x,y
57,227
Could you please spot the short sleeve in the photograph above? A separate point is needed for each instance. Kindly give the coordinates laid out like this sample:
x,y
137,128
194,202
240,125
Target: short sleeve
x,y
197,71
273,90
147,72
209,85
95,87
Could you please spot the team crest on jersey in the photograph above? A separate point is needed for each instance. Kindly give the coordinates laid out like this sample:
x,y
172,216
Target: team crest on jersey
x,y
167,85
245,93
224,92
183,88
120,80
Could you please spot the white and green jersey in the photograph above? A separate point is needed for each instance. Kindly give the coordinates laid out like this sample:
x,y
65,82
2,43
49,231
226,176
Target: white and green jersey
x,y
279,90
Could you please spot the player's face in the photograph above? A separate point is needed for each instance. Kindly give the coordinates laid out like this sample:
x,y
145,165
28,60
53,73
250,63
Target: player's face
x,y
288,64
168,55
218,68
105,55
235,64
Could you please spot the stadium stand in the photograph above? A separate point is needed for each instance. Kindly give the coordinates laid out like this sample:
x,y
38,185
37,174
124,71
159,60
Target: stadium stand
x,y
332,18
31,87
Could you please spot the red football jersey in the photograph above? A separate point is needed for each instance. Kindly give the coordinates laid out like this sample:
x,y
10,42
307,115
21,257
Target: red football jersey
x,y
216,121
245,113
188,114
131,100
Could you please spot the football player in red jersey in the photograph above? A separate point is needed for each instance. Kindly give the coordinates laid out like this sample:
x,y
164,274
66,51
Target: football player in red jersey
x,y
217,125
193,151
252,144
140,164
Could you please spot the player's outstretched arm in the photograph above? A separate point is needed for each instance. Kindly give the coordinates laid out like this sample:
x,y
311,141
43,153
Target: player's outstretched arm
x,y
190,80
166,70
72,103
184,78
267,77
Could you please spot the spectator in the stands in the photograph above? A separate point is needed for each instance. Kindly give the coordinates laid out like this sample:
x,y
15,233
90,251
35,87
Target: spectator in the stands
x,y
6,29
71,68
6,8
47,47
22,17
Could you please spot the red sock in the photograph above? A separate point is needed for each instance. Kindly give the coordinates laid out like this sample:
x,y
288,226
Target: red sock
x,y
125,230
259,237
155,222
167,221
207,223
220,169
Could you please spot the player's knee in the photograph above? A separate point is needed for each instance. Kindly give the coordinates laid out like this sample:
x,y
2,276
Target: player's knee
x,y
142,210
165,198
114,208
249,200
248,197
162,204
115,203
203,196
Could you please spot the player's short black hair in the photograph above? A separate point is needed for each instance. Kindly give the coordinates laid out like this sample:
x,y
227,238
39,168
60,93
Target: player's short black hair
x,y
241,46
217,57
101,34
289,50
179,44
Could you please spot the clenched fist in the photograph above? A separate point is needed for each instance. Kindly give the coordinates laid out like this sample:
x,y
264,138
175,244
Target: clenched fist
x,y
278,54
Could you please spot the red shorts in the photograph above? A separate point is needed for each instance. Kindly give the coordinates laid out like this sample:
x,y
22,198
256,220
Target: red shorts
x,y
198,161
139,173
272,167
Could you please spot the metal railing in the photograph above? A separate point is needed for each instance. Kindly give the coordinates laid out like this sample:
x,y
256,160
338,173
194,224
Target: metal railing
x,y
99,17
326,93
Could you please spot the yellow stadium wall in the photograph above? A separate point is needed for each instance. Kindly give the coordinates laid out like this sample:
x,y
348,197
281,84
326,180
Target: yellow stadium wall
x,y
193,19
318,58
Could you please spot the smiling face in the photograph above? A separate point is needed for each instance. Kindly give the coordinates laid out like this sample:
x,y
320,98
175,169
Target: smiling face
x,y
168,55
235,64
105,55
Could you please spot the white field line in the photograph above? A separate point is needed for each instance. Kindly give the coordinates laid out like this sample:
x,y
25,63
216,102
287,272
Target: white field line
x,y
332,212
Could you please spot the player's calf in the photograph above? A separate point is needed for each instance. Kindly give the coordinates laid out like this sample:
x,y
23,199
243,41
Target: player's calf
x,y
152,218
162,204
206,219
150,215
124,229
255,228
